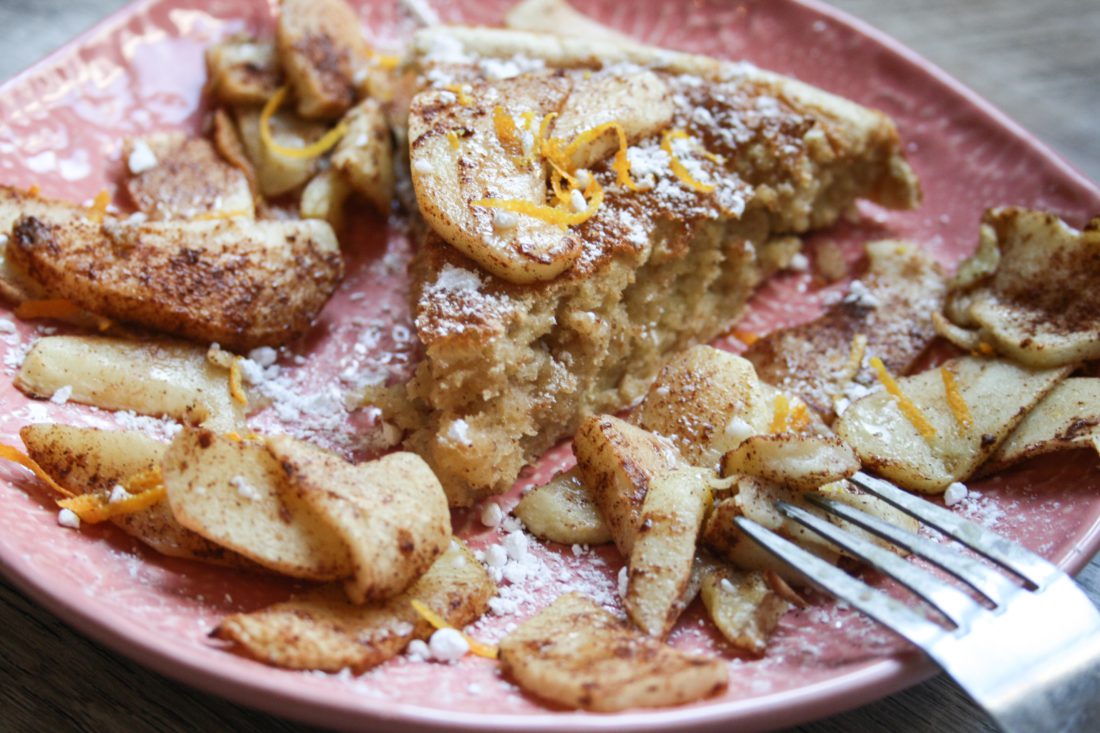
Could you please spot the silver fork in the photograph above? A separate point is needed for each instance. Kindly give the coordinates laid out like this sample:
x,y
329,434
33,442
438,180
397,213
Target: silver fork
x,y
1030,656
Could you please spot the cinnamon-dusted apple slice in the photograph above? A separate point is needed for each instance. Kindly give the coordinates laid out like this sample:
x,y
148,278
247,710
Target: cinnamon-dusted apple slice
x,y
576,654
743,606
175,176
233,493
1067,418
562,510
1030,289
391,513
240,283
481,179
926,431
365,154
15,285
618,463
707,401
88,460
242,70
663,553
885,313
321,46
324,198
800,461
457,158
321,629
160,378
278,173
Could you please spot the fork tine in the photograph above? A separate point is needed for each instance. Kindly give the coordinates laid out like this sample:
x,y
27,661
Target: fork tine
x,y
874,603
991,584
993,547
957,606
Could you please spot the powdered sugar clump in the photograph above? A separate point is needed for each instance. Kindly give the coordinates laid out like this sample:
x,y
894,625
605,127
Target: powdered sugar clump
x,y
456,279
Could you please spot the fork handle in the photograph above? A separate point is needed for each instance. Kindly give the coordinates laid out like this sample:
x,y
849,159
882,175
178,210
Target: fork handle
x,y
1069,701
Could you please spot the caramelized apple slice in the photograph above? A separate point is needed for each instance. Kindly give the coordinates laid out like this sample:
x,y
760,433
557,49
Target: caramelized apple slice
x,y
240,283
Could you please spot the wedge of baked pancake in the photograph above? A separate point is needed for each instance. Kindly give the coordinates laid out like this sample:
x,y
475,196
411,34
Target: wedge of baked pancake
x,y
528,326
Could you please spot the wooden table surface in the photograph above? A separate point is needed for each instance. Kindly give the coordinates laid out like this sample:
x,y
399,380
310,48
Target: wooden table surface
x,y
1039,62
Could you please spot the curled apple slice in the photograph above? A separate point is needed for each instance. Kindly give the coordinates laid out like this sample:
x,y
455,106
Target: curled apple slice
x,y
480,160
457,159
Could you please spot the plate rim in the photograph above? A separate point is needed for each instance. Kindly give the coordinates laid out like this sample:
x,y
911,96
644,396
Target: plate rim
x,y
862,684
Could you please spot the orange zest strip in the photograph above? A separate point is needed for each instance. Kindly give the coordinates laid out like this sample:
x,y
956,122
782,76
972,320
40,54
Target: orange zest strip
x,y
621,165
211,215
550,214
555,184
748,338
385,61
98,209
15,455
544,127
782,412
149,479
677,167
48,308
984,349
955,399
856,353
314,149
235,389
476,647
463,98
95,508
910,410
800,418
452,138
506,131
238,438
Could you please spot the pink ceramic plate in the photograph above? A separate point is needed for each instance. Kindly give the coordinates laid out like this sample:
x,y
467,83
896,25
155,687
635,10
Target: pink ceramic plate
x,y
62,123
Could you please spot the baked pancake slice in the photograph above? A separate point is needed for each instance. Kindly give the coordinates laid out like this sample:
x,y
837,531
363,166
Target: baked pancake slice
x,y
588,209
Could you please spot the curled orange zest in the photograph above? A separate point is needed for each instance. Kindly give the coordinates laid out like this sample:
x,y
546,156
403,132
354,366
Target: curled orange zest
x,y
95,508
314,149
955,398
235,389
677,167
385,61
779,417
553,215
98,209
506,131
621,165
800,418
544,126
438,622
463,98
555,184
748,338
984,349
907,407
145,480
15,455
